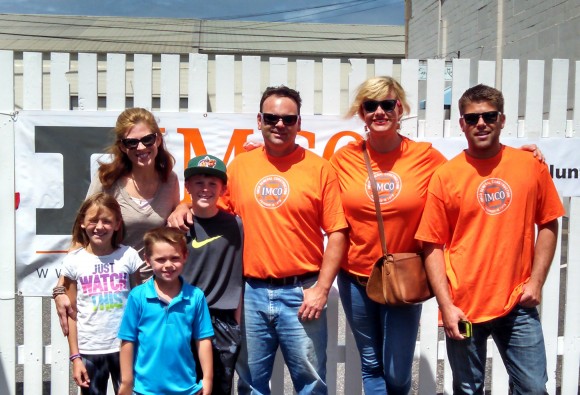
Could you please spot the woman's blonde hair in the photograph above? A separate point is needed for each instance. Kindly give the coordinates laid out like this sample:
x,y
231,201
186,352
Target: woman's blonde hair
x,y
121,165
376,88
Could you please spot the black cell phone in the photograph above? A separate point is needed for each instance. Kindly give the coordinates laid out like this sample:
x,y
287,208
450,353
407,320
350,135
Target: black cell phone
x,y
464,328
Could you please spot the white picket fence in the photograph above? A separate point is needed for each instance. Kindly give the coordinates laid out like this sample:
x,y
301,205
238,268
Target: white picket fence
x,y
328,98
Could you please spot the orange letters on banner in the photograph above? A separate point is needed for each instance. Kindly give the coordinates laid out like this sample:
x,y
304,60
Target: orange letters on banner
x,y
192,141
331,145
237,141
309,136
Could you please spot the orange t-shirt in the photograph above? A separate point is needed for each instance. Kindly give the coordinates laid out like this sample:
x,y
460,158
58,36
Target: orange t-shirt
x,y
285,204
402,177
484,211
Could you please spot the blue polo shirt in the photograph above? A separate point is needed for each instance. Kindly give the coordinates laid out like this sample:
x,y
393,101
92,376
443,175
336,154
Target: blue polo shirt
x,y
163,362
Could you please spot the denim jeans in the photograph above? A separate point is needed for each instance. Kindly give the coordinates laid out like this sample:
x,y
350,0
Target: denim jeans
x,y
519,339
385,337
270,320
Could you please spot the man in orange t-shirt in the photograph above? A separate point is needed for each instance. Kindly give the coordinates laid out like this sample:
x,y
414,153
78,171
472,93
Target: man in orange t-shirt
x,y
483,206
286,196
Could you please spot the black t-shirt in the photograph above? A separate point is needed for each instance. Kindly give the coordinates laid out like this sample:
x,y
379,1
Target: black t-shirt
x,y
214,263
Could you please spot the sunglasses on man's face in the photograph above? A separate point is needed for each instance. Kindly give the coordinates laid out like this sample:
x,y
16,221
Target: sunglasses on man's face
x,y
386,105
147,141
272,119
488,117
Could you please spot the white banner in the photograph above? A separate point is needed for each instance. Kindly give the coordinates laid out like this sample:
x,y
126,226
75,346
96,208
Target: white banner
x,y
57,152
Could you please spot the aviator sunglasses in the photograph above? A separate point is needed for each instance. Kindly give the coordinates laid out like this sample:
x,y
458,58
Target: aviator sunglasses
x,y
488,117
386,105
147,141
272,119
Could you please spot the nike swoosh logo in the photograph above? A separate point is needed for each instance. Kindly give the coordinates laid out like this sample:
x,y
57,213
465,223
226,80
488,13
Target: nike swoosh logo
x,y
199,244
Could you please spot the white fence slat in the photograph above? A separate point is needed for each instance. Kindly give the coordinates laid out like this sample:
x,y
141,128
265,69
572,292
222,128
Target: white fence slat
x,y
384,67
278,71
224,83
8,346
197,83
116,70
330,87
59,85
7,221
410,82
251,75
510,87
534,98
142,80
446,128
571,358
549,312
32,346
88,81
435,87
428,348
576,124
461,73
169,87
356,76
447,372
332,344
499,376
32,81
6,81
305,84
486,72
59,352
559,97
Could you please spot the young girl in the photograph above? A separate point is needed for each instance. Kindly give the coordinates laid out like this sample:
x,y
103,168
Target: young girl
x,y
96,279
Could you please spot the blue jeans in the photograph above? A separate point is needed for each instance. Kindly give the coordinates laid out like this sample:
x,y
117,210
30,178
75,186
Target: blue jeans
x,y
385,337
270,320
520,342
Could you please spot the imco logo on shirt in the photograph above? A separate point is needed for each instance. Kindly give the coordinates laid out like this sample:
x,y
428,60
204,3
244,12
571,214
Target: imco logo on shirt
x,y
494,195
388,186
272,191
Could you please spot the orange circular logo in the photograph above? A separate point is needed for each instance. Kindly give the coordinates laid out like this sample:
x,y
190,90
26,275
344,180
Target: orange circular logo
x,y
388,186
494,195
272,191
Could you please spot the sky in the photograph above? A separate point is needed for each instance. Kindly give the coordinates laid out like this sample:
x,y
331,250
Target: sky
x,y
371,12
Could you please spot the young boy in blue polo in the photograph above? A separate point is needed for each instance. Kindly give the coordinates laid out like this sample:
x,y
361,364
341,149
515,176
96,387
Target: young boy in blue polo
x,y
161,318
214,263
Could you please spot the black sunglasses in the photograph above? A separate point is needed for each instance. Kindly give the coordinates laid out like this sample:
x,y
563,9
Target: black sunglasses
x,y
272,119
488,117
386,105
147,141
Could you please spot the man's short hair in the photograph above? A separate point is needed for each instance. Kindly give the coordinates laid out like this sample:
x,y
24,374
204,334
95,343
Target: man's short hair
x,y
282,91
481,93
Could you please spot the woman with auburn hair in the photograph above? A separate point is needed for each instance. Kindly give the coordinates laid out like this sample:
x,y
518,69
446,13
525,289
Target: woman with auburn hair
x,y
140,177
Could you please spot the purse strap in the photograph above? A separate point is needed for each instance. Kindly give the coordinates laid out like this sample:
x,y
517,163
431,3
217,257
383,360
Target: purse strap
x,y
375,197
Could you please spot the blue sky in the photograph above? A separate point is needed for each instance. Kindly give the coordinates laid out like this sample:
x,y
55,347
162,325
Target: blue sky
x,y
373,12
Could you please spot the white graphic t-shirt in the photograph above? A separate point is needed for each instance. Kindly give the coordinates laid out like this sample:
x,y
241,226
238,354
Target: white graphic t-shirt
x,y
102,291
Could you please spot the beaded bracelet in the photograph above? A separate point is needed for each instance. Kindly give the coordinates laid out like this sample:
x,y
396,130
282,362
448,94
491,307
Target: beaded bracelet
x,y
74,356
58,290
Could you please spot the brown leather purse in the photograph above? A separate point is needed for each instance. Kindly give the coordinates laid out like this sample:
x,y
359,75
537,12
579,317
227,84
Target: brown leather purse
x,y
396,279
